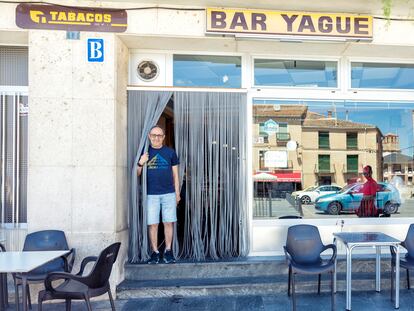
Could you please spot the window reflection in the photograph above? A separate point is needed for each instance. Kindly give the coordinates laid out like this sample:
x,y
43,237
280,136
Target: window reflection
x,y
277,72
207,71
384,76
321,147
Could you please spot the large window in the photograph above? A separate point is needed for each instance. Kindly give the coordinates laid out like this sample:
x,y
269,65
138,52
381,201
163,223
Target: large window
x,y
382,75
302,178
207,71
299,73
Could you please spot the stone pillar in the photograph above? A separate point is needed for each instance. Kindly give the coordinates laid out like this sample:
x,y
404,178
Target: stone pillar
x,y
77,141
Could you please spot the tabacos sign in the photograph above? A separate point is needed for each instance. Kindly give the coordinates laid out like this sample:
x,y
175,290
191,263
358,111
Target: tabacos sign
x,y
281,24
30,16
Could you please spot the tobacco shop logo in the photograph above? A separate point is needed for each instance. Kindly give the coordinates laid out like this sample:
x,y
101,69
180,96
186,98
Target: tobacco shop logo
x,y
30,16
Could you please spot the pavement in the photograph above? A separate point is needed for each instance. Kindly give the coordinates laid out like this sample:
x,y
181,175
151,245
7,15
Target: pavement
x,y
361,301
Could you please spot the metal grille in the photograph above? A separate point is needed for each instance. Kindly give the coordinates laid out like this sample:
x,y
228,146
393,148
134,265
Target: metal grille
x,y
13,138
13,134
13,65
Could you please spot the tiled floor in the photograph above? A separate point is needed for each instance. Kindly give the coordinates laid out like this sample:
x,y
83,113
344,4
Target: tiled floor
x,y
361,301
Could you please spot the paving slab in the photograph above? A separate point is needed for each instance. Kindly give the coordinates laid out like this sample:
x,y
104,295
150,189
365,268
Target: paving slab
x,y
361,301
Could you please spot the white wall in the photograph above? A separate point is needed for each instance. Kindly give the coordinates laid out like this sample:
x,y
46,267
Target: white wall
x,y
269,236
77,141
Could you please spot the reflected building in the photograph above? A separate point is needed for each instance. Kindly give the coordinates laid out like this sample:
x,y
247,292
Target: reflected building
x,y
327,150
396,164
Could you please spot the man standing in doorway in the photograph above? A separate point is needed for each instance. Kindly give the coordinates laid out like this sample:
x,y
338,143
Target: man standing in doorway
x,y
163,191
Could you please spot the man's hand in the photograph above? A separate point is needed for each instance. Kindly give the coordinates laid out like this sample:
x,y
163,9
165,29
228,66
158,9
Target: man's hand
x,y
143,159
177,197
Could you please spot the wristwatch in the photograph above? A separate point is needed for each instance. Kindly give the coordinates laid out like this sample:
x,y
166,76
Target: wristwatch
x,y
140,165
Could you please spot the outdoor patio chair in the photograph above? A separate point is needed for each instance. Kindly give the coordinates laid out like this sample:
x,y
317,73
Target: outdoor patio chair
x,y
303,254
4,298
77,286
407,261
45,240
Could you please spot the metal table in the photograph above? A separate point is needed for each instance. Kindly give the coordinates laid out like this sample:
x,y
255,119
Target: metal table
x,y
352,240
24,262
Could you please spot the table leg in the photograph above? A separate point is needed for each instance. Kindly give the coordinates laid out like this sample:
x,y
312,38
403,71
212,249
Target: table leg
x,y
334,273
24,291
397,276
2,295
378,269
348,277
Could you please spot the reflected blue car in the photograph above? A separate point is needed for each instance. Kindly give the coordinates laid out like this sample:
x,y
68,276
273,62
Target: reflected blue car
x,y
349,198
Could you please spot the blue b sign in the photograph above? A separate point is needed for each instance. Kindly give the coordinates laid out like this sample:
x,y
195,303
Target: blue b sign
x,y
96,50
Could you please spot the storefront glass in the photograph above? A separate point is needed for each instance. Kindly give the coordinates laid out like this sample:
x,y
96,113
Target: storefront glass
x,y
382,76
316,173
207,71
299,73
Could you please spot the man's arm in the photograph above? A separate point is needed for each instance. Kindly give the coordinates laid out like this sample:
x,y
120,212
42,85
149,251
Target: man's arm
x,y
142,160
139,170
176,183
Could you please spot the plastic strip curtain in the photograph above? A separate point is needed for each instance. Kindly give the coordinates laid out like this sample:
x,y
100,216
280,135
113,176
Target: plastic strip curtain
x,y
144,111
210,139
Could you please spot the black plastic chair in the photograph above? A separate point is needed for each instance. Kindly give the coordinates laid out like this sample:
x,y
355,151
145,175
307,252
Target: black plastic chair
x,y
79,287
4,298
303,254
406,262
46,240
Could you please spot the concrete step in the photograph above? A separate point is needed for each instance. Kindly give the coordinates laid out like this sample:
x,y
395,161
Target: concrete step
x,y
240,267
251,276
243,286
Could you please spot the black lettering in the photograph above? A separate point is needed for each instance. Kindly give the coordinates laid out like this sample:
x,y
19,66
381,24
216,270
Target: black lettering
x,y
239,20
258,18
359,25
347,25
325,24
306,23
218,20
289,21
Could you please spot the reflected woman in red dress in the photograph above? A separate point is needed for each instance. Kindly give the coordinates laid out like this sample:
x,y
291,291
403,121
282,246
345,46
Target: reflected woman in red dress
x,y
367,207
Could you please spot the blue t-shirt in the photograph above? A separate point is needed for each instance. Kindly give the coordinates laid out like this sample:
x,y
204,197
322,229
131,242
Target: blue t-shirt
x,y
159,170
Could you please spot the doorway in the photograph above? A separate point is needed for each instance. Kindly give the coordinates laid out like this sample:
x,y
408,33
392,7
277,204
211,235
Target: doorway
x,y
209,138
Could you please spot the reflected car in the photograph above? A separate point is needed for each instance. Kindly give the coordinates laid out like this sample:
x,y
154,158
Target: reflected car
x,y
310,194
349,198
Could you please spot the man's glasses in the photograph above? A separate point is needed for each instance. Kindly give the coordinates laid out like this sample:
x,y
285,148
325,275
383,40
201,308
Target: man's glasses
x,y
156,136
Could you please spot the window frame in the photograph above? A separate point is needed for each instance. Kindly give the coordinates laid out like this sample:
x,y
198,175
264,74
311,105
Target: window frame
x,y
348,157
348,146
208,55
328,156
319,140
351,60
377,88
299,58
